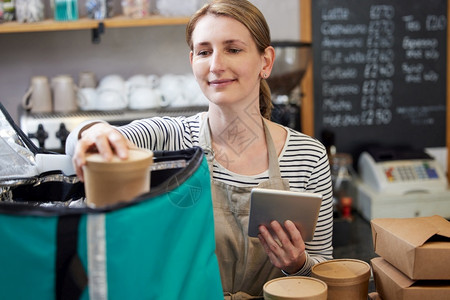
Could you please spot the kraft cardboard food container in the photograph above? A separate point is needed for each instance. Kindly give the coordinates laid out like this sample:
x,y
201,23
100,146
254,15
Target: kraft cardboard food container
x,y
345,278
419,247
111,182
295,288
392,284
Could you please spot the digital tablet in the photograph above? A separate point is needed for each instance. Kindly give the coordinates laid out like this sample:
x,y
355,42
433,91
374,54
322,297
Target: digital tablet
x,y
267,205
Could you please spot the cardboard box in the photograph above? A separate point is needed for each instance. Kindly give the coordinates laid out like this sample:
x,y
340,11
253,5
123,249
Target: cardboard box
x,y
391,284
419,247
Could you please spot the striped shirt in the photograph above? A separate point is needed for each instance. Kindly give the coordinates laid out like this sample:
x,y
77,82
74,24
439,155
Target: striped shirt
x,y
303,161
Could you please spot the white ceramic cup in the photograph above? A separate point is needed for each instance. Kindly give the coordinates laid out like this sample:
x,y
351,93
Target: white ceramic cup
x,y
137,81
87,80
153,81
64,94
113,82
38,98
111,99
171,87
87,98
189,92
145,98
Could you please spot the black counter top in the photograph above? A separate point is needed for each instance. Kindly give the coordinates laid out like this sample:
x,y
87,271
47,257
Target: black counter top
x,y
352,238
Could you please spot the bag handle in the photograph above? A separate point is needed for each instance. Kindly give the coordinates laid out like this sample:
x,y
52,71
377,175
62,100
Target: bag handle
x,y
23,137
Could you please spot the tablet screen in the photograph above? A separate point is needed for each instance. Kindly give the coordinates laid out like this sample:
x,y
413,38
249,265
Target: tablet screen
x,y
302,208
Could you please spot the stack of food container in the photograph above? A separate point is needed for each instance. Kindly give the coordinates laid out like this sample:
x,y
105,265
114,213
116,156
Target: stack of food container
x,y
415,255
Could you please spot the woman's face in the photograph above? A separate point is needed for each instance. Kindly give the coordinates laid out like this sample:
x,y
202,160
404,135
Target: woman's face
x,y
226,62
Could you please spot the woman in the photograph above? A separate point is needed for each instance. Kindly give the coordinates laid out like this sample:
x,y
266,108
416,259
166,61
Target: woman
x,y
231,57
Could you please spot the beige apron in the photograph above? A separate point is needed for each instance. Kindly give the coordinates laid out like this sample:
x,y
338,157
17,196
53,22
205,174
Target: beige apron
x,y
244,265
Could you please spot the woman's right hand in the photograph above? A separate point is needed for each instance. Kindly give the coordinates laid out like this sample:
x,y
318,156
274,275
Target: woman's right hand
x,y
102,138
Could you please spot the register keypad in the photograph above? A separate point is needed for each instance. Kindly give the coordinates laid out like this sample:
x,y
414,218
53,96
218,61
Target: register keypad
x,y
410,172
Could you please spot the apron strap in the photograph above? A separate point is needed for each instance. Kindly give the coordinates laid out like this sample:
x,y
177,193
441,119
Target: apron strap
x,y
206,145
274,166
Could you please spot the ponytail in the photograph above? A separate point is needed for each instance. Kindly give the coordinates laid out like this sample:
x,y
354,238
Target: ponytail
x,y
265,99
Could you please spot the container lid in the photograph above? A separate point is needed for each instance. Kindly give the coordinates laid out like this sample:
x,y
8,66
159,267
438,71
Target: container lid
x,y
342,271
295,287
137,158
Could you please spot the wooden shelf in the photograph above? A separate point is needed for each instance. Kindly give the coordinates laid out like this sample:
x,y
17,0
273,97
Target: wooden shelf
x,y
155,20
85,23
48,25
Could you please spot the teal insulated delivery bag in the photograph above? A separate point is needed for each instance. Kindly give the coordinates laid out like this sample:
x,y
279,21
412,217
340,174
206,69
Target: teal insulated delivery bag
x,y
158,246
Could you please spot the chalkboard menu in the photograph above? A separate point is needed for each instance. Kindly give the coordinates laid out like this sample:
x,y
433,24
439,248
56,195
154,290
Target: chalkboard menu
x,y
380,72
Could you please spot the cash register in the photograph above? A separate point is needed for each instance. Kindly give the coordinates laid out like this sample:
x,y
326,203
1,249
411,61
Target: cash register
x,y
401,184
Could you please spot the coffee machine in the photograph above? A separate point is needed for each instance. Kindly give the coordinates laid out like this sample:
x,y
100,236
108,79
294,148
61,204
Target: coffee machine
x,y
291,60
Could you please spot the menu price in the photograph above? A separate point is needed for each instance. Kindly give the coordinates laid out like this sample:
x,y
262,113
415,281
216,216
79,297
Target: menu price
x,y
379,65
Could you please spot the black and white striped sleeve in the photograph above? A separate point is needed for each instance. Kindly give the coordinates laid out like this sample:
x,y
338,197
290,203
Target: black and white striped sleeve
x,y
162,133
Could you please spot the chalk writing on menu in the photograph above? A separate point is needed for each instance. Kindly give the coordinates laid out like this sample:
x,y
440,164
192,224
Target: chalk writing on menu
x,y
380,70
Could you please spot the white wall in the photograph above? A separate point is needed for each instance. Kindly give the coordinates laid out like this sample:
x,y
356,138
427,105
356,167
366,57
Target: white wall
x,y
282,17
125,51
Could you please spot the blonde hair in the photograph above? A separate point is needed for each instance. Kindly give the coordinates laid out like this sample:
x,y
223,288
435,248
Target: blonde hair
x,y
252,18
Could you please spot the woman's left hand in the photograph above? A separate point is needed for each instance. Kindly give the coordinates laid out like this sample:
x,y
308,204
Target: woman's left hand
x,y
286,248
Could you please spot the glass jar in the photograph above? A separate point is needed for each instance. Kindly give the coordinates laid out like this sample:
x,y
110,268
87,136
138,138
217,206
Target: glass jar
x,y
8,10
136,9
342,176
65,10
29,11
99,9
